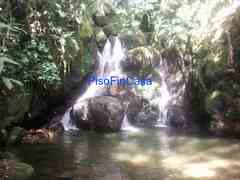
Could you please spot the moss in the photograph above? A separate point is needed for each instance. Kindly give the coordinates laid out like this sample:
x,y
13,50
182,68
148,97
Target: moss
x,y
22,172
141,61
86,30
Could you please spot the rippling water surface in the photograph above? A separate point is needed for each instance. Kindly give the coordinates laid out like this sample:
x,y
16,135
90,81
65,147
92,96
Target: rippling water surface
x,y
147,154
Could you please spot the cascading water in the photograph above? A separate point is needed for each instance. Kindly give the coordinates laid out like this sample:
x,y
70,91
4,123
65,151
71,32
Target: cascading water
x,y
164,97
109,64
126,126
164,100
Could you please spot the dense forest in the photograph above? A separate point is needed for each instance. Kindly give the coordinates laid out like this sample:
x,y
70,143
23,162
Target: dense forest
x,y
48,48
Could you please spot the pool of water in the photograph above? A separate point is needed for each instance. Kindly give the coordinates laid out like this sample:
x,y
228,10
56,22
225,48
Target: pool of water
x,y
146,154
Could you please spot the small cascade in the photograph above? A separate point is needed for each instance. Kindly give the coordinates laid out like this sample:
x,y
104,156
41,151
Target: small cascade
x,y
163,101
126,126
67,123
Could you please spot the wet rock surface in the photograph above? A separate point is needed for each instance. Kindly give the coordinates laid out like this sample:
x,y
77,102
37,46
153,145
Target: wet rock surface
x,y
102,113
21,171
141,61
39,136
132,39
148,115
12,169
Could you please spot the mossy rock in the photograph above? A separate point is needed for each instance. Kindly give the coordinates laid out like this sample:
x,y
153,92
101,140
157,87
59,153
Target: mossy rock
x,y
101,21
141,61
111,30
101,37
21,171
86,30
133,40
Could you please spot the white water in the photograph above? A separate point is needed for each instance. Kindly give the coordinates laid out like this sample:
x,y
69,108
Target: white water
x,y
109,64
126,126
164,100
67,123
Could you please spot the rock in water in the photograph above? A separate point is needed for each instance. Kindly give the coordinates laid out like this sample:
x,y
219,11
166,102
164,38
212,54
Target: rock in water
x,y
106,113
103,113
21,171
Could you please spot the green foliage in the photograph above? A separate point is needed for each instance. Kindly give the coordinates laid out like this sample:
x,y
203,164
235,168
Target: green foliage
x,y
41,45
146,24
86,65
9,32
35,64
48,74
86,30
3,60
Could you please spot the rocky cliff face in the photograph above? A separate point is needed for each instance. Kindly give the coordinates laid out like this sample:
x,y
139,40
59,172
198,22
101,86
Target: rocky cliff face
x,y
160,67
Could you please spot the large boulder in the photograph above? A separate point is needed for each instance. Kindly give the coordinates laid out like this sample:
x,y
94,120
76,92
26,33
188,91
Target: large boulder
x,y
141,61
101,20
13,169
107,113
101,38
103,113
21,171
111,29
80,115
132,102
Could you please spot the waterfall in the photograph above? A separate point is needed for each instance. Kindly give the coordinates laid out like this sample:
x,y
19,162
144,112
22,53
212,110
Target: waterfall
x,y
67,123
109,64
126,126
163,99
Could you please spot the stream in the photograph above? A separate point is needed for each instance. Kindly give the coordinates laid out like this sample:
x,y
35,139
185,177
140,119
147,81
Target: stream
x,y
146,154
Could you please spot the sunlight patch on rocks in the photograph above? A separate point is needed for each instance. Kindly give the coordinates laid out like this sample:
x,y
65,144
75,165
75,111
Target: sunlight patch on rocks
x,y
138,159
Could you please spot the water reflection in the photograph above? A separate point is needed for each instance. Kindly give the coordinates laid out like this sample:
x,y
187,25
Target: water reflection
x,y
148,154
